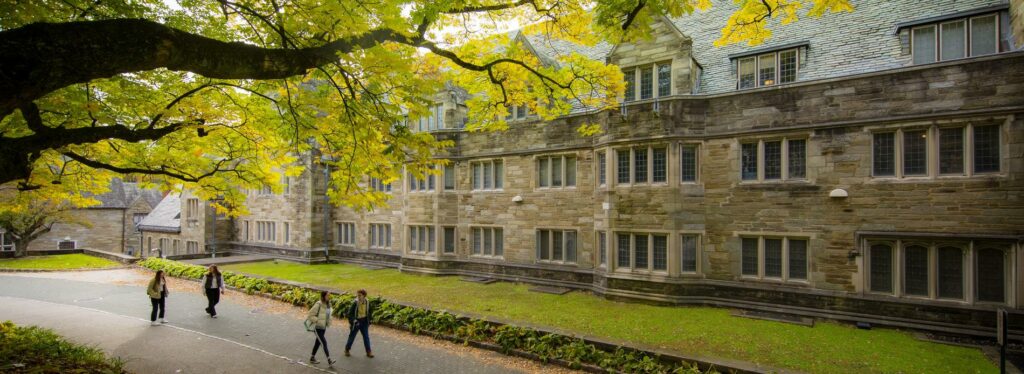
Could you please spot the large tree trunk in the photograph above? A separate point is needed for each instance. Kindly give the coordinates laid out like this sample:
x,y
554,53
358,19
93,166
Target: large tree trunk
x,y
21,247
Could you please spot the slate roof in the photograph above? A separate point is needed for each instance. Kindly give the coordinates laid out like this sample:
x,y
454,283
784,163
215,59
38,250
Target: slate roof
x,y
165,217
123,194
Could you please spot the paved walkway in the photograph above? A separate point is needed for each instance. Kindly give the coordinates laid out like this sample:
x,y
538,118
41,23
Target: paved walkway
x,y
116,319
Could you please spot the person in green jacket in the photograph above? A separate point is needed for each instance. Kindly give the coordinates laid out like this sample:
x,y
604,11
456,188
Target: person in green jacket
x,y
157,291
319,317
359,316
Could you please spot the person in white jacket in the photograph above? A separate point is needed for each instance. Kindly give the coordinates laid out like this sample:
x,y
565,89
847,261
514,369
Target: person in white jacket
x,y
319,318
213,285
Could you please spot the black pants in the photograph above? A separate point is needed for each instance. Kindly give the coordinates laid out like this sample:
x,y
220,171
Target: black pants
x,y
157,303
212,298
320,339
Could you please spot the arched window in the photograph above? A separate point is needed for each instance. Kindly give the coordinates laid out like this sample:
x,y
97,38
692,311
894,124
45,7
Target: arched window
x,y
991,275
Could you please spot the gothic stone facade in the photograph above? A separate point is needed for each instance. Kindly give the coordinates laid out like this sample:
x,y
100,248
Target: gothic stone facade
x,y
879,185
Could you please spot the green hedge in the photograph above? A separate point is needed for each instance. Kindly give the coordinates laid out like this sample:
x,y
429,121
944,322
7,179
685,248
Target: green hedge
x,y
38,350
546,346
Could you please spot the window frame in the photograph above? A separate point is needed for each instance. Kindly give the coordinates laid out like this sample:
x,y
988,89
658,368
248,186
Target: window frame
x,y
412,246
934,151
563,170
649,269
340,239
968,37
649,165
484,229
373,236
378,185
784,161
784,276
696,255
696,162
494,175
421,186
777,66
633,82
551,247
969,277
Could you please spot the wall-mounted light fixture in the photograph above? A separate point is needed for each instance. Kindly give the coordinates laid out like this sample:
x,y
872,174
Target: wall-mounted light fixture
x,y
838,193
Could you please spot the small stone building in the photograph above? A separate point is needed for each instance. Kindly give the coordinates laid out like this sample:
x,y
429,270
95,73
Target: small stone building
x,y
113,223
182,225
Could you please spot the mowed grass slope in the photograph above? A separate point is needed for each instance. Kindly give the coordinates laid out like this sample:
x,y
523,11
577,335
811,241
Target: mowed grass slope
x,y
700,331
58,262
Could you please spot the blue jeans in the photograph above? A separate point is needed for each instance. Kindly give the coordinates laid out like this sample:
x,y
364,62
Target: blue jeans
x,y
362,326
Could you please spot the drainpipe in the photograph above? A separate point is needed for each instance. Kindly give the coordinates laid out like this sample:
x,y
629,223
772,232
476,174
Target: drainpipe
x,y
327,213
213,238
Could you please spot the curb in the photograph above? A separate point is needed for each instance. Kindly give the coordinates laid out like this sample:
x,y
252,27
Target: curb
x,y
2,270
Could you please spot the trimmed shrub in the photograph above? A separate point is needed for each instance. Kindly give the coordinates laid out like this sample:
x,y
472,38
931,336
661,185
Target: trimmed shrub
x,y
37,350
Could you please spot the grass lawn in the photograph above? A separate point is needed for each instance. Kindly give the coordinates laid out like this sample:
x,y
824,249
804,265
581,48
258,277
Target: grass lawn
x,y
56,262
711,332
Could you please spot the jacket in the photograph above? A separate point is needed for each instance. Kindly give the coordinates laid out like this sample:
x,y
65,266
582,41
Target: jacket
x,y
319,315
353,310
219,280
154,288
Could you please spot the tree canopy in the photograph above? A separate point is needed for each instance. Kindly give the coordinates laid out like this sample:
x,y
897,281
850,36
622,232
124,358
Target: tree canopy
x,y
224,95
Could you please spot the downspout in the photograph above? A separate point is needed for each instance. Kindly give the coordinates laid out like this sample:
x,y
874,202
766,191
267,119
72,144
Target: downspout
x,y
123,222
213,237
327,213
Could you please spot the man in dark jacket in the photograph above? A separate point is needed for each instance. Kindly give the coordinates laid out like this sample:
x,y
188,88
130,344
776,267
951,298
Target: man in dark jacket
x,y
359,316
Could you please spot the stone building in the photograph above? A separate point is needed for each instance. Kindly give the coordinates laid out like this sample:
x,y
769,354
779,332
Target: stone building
x,y
863,166
112,223
166,233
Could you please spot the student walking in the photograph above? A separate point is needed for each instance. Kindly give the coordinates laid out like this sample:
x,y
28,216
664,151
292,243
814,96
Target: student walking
x,y
319,318
213,284
359,316
157,292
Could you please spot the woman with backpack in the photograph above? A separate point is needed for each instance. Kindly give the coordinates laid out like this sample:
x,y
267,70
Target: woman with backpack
x,y
157,291
213,284
317,320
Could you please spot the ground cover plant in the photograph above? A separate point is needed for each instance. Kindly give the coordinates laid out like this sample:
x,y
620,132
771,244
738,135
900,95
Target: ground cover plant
x,y
58,262
696,331
30,349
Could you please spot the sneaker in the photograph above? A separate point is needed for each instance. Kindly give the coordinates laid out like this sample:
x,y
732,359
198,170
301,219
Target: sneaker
x,y
347,354
330,362
313,360
164,320
213,316
154,323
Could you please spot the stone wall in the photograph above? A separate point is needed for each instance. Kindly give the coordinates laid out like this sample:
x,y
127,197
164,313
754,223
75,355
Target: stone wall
x,y
836,118
104,229
175,243
1017,23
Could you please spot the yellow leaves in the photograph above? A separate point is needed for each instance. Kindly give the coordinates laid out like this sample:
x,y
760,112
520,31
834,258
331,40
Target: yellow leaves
x,y
589,129
750,22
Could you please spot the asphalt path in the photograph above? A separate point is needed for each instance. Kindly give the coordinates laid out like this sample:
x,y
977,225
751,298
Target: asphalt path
x,y
115,318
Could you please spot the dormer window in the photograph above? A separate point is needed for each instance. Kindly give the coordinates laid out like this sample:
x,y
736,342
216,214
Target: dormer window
x,y
956,38
767,69
654,80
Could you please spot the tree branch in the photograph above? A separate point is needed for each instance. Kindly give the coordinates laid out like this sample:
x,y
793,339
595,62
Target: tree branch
x,y
42,57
